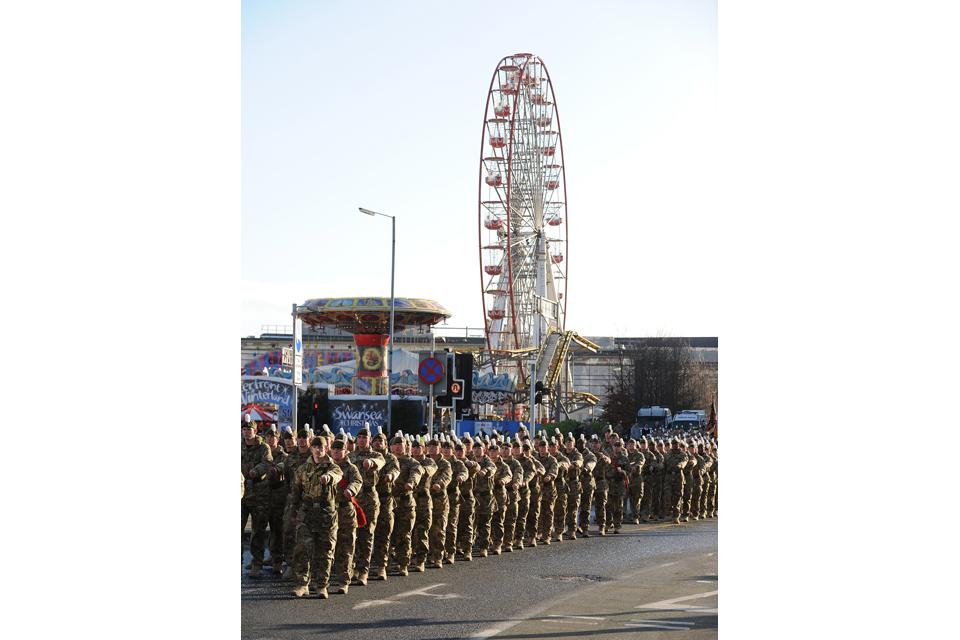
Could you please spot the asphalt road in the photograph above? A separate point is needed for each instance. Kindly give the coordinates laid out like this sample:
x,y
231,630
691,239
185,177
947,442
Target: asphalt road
x,y
651,581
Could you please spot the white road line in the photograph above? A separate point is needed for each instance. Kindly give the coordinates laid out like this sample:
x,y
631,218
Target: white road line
x,y
666,565
665,622
417,592
653,626
672,604
553,615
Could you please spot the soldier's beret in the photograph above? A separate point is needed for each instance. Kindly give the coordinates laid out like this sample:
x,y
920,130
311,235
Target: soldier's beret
x,y
397,439
459,446
433,442
569,437
319,441
272,431
337,444
526,446
363,432
380,436
302,433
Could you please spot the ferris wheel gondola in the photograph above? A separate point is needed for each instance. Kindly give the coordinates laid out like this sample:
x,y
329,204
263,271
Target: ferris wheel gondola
x,y
523,236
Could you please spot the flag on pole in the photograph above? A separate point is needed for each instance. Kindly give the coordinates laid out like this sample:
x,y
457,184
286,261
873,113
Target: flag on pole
x,y
712,422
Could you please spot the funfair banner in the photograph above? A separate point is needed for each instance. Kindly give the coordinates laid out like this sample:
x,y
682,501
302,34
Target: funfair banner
x,y
266,389
351,412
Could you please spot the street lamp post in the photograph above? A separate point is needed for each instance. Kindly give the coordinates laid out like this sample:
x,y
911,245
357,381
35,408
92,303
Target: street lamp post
x,y
393,253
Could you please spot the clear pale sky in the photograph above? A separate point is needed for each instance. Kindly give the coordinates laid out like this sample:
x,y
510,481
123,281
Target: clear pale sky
x,y
380,105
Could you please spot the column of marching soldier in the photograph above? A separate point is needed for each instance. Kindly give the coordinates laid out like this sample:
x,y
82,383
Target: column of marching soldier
x,y
358,503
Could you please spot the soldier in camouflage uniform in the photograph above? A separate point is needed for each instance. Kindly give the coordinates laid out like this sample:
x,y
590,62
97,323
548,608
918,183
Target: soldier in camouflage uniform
x,y
700,480
290,465
651,463
503,536
673,464
370,464
560,485
503,479
619,474
712,491
601,475
384,527
548,491
438,495
536,485
404,513
522,454
637,460
313,498
289,442
459,473
467,501
689,471
659,471
278,500
587,486
255,463
348,487
486,503
420,539
574,489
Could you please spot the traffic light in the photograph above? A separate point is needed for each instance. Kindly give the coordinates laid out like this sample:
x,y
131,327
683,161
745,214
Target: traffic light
x,y
446,400
465,373
459,367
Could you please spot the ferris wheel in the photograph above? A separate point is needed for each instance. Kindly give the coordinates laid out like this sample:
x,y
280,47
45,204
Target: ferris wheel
x,y
522,209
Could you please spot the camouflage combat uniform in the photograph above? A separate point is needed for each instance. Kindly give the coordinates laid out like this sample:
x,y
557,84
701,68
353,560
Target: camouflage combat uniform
x,y
548,495
404,511
420,538
438,528
278,503
601,475
347,521
560,503
314,503
673,480
574,490
255,503
384,527
618,474
486,503
457,470
369,502
507,496
587,486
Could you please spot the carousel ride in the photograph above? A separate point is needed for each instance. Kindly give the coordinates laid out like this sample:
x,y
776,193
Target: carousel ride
x,y
524,235
368,320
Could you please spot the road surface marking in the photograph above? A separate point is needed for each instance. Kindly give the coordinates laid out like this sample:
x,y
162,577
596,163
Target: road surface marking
x,y
672,604
417,592
665,622
653,626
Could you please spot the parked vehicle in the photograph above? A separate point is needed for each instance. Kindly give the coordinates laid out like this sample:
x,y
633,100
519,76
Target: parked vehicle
x,y
687,421
647,417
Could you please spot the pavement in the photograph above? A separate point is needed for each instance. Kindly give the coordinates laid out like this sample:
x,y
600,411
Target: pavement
x,y
656,601
673,593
